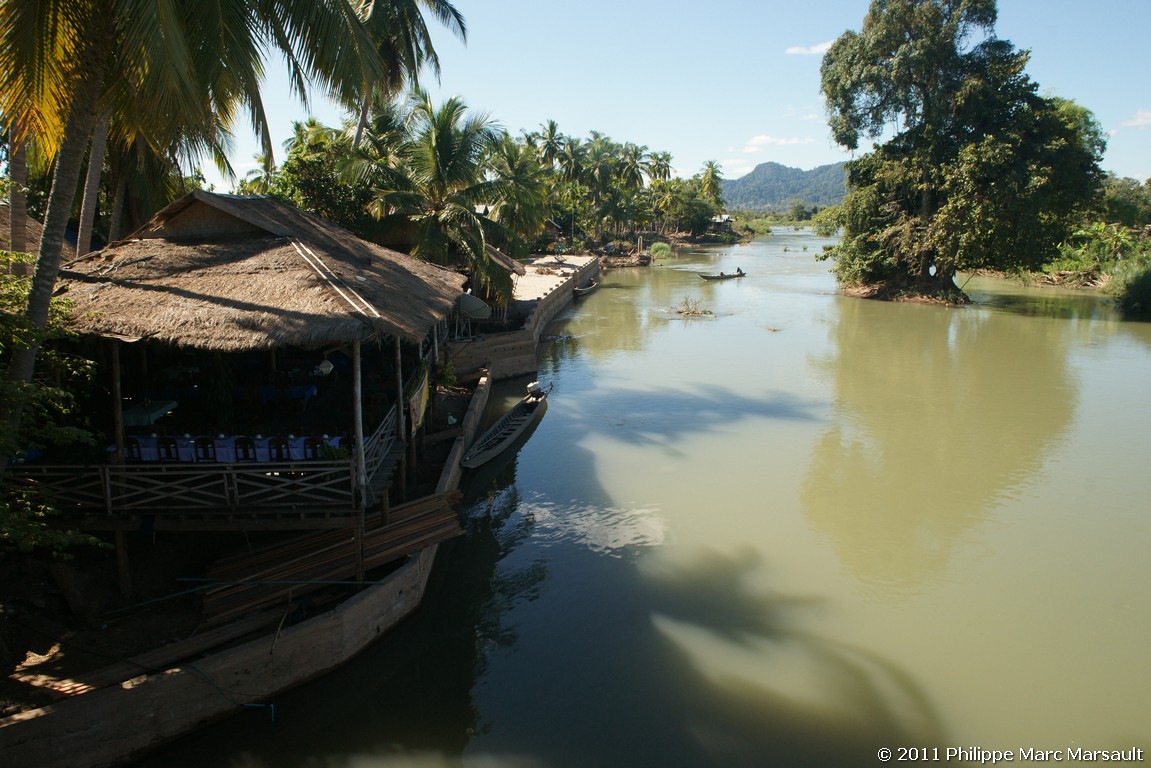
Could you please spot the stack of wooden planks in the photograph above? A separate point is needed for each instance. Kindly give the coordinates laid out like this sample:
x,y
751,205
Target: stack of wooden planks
x,y
273,576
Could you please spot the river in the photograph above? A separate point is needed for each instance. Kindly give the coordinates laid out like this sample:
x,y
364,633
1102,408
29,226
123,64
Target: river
x,y
793,532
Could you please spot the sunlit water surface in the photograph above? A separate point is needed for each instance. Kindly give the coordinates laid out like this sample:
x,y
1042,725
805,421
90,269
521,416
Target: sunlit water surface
x,y
791,533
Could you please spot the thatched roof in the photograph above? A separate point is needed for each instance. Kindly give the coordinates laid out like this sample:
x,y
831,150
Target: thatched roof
x,y
35,230
232,273
507,262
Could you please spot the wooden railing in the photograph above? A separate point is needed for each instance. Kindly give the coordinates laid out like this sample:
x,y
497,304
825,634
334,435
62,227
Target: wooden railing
x,y
299,494
208,493
379,444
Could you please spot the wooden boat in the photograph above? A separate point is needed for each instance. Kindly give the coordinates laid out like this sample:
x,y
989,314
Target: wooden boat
x,y
510,426
586,287
723,276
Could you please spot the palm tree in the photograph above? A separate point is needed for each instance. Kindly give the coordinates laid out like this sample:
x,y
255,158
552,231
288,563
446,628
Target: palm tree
x,y
259,180
632,164
709,181
445,182
551,143
404,44
521,203
659,166
570,160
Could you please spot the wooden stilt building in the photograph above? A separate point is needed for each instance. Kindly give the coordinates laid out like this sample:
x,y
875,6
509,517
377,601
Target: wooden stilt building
x,y
223,309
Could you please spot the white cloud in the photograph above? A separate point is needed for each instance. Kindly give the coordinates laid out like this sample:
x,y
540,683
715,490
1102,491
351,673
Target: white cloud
x,y
1142,119
757,143
810,50
806,112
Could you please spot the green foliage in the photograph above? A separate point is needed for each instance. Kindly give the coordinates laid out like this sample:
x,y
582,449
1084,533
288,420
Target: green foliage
x,y
310,179
47,407
1119,258
754,225
660,250
26,525
828,221
1131,284
1126,202
448,375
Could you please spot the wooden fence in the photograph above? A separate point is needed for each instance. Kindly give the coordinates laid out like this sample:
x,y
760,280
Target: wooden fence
x,y
208,496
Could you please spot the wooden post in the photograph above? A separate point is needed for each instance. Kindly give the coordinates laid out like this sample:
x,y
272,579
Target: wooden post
x,y
401,420
361,462
358,424
117,403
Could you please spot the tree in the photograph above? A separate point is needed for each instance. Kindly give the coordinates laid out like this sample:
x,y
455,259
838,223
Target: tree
x,y
404,44
442,183
1126,201
980,170
710,180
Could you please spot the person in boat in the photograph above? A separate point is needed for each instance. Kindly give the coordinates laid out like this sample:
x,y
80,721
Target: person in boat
x,y
739,270
722,275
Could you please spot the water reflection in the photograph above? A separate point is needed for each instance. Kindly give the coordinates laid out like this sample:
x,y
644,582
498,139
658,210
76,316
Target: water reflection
x,y
940,415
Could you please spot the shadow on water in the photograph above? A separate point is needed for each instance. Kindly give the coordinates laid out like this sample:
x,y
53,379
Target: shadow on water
x,y
939,416
663,415
612,684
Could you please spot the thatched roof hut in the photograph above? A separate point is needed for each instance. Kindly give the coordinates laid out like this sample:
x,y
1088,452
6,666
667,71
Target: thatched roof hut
x,y
232,273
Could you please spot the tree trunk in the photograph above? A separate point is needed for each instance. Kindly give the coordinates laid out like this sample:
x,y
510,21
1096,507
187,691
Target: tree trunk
x,y
92,183
69,160
362,123
18,200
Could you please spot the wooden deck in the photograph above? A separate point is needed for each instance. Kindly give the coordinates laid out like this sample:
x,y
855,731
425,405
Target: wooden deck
x,y
312,494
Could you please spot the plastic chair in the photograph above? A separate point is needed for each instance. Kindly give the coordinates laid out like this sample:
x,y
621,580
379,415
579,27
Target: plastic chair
x,y
245,449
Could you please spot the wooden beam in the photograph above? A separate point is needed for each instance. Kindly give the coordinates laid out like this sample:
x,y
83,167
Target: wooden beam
x,y
401,417
361,461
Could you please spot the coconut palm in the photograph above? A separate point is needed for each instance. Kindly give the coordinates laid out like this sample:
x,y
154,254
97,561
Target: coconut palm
x,y
404,44
259,180
659,166
709,180
444,184
633,161
570,160
521,203
550,143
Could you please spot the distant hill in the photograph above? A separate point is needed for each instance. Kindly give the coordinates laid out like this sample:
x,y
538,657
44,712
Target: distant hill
x,y
772,185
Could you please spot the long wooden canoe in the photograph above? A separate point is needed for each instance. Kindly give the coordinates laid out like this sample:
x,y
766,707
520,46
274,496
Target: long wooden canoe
x,y
510,426
722,276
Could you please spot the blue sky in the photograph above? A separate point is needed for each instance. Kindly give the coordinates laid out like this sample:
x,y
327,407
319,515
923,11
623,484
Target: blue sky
x,y
736,81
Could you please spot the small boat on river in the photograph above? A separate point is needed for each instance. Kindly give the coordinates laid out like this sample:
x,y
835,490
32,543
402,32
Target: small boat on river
x,y
510,426
586,287
725,276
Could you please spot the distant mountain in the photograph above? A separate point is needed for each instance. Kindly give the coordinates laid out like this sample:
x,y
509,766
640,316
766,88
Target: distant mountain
x,y
772,185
